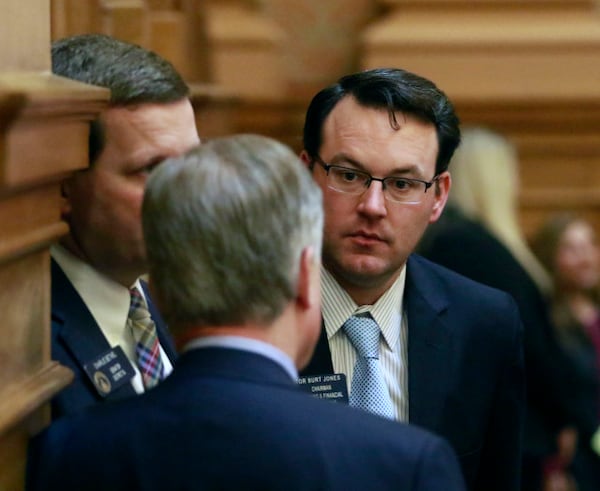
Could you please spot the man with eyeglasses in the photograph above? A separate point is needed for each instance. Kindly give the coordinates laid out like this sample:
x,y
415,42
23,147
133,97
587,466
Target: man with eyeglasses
x,y
448,351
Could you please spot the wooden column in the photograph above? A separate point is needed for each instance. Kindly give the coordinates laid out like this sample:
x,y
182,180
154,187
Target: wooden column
x,y
43,136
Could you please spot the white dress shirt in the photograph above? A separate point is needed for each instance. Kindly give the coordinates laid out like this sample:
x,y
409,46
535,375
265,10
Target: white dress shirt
x,y
338,307
108,301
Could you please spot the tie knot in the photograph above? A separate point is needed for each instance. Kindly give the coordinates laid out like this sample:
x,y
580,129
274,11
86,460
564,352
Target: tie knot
x,y
363,333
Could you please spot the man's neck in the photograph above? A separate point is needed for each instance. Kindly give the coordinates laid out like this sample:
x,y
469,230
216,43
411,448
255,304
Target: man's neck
x,y
366,293
123,276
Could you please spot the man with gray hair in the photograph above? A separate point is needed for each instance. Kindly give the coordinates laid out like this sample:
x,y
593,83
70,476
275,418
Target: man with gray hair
x,y
233,234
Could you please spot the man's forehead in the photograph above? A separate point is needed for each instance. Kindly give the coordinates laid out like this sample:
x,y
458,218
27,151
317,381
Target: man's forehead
x,y
351,118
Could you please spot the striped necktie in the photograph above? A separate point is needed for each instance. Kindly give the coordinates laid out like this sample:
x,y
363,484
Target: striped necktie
x,y
147,347
368,391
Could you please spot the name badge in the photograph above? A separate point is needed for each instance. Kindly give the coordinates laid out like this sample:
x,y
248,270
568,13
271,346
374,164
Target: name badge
x,y
109,371
330,386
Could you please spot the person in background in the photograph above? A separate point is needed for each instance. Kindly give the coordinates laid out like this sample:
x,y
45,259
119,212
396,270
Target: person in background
x,y
233,232
480,237
104,325
449,350
567,246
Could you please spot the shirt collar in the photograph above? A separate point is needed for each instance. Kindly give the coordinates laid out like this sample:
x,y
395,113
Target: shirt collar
x,y
247,344
107,300
338,306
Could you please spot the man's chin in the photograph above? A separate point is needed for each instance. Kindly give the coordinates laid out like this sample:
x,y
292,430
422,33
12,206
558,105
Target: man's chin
x,y
364,271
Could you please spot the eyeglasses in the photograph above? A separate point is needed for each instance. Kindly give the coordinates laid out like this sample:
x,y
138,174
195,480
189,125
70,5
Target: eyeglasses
x,y
352,181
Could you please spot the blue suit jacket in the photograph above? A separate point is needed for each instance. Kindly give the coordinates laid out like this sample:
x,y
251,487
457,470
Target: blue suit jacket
x,y
227,419
77,339
465,371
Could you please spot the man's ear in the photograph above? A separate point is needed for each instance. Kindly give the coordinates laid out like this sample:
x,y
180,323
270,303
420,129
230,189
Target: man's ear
x,y
308,281
308,307
304,157
442,191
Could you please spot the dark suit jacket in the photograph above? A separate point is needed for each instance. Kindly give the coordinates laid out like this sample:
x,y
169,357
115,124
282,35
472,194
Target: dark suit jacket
x,y
77,340
228,419
553,396
465,370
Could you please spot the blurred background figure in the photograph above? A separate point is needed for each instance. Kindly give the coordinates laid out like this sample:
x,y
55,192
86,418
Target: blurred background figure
x,y
480,237
567,246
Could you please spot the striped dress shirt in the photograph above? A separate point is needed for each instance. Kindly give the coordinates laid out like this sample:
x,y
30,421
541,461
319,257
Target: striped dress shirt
x,y
393,349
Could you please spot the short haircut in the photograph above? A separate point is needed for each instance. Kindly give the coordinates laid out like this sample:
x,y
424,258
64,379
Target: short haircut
x,y
394,90
134,75
225,226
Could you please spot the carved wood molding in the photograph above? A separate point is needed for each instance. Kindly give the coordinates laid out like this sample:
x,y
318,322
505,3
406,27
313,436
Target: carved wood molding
x,y
487,4
24,396
42,112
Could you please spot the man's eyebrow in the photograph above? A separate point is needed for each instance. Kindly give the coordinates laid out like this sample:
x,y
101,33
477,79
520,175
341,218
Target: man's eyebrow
x,y
344,158
409,170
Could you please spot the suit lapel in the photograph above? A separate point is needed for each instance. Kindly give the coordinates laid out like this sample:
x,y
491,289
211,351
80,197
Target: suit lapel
x,y
429,344
78,331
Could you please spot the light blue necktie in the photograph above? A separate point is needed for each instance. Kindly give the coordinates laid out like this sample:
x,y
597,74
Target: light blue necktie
x,y
368,390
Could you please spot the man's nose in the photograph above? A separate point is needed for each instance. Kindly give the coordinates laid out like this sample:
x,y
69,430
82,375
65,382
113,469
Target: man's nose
x,y
372,201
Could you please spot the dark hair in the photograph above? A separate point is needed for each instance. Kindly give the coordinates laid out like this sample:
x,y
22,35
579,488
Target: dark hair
x,y
546,241
134,75
393,89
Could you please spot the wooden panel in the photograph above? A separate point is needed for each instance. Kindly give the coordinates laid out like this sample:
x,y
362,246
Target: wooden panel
x,y
502,55
44,122
177,31
167,34
49,119
197,57
24,349
70,17
26,394
527,69
281,119
321,39
13,448
25,397
548,172
50,149
30,221
24,31
215,110
164,4
126,20
489,4
246,51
